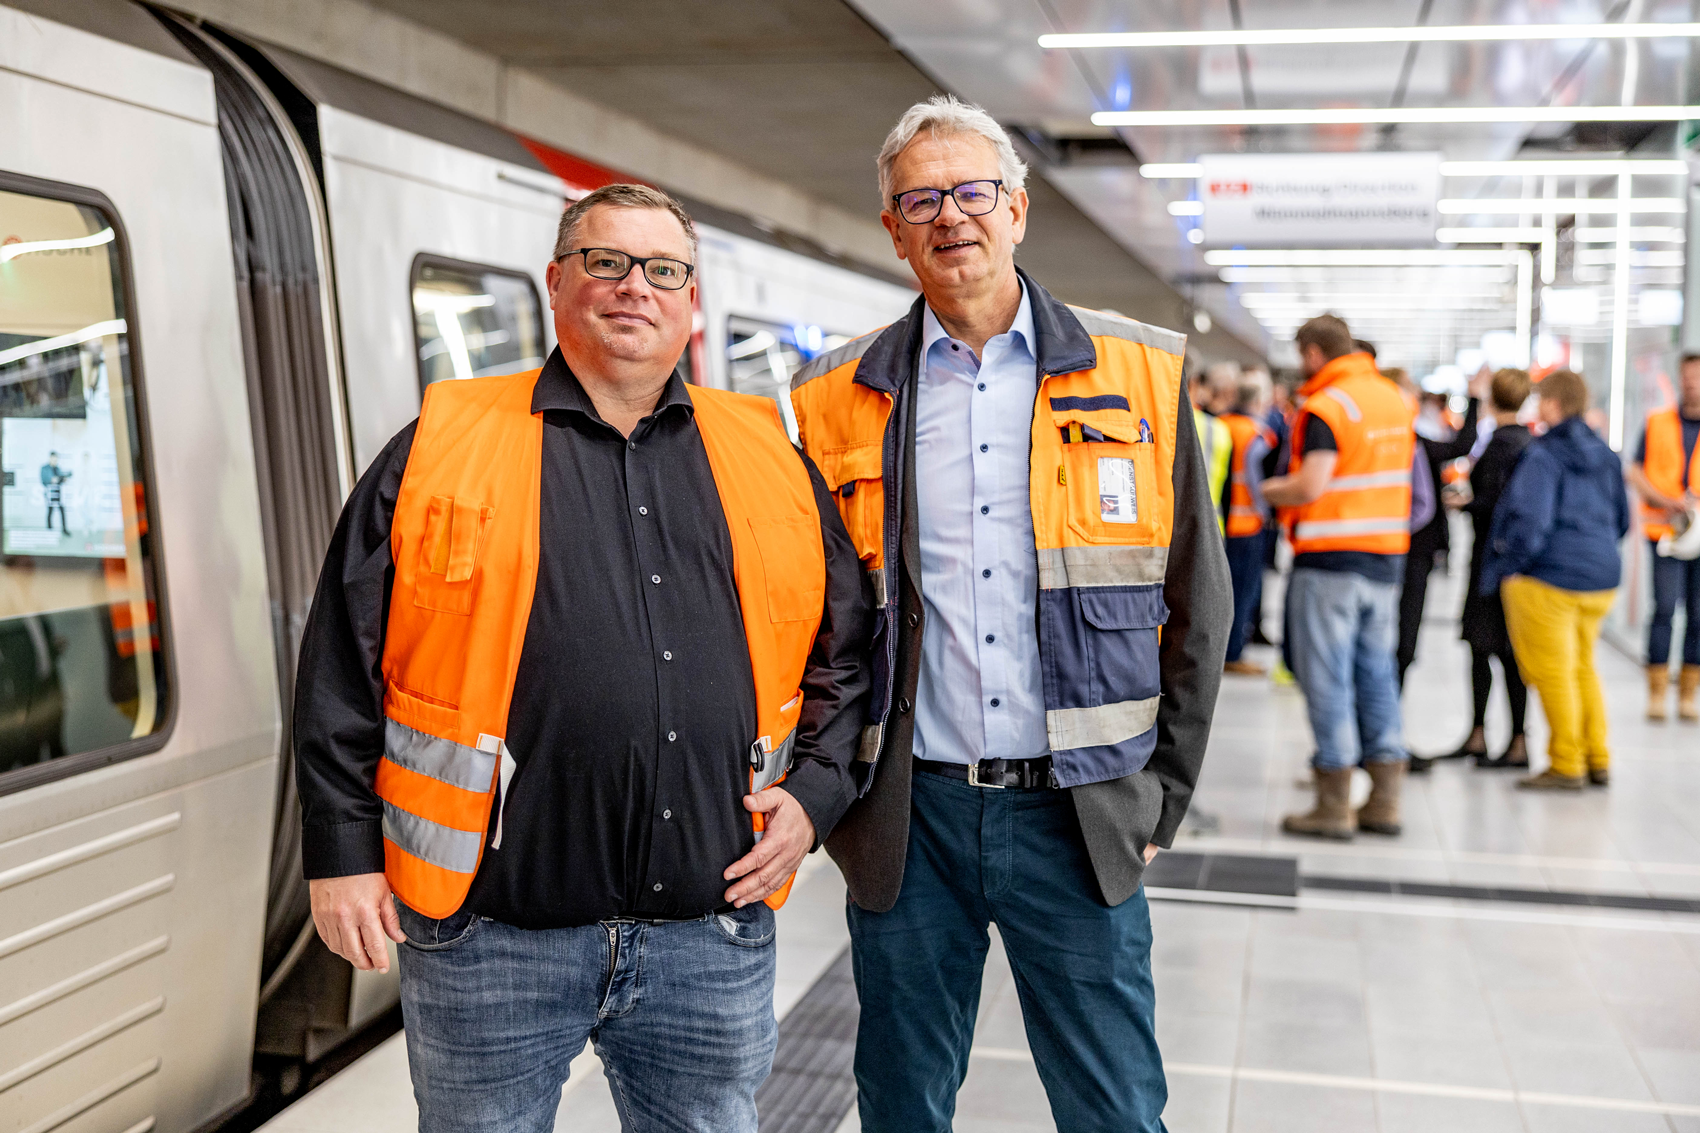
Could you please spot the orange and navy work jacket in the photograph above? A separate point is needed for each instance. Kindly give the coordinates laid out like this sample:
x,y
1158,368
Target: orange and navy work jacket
x,y
1102,498
1666,468
464,541
1366,505
1244,518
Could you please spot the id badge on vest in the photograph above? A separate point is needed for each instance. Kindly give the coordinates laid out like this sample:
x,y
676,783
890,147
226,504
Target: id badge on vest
x,y
1118,498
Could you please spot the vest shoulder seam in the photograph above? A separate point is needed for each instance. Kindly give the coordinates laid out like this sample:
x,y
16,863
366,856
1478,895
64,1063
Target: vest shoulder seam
x,y
1100,324
824,364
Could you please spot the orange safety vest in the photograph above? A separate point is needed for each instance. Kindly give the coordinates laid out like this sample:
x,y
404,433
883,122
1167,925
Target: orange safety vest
x,y
465,545
1102,499
1243,517
1367,503
1663,467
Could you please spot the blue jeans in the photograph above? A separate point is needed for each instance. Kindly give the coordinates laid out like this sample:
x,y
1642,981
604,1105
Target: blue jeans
x,y
1674,581
1345,631
681,1014
1082,969
1245,565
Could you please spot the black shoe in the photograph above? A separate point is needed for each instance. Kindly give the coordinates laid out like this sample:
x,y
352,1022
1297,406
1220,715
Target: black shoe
x,y
1419,765
1465,751
1503,760
1258,637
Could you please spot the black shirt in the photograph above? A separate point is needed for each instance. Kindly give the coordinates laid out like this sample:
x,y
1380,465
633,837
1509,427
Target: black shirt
x,y
1318,437
633,707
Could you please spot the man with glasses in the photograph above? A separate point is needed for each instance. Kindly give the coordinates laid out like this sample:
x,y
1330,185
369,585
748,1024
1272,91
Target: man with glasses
x,y
573,628
1030,501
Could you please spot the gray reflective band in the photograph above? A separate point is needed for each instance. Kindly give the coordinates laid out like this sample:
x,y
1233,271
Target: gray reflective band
x,y
454,764
1102,726
1345,399
1101,566
776,764
1113,326
1397,479
1323,528
1239,510
826,363
869,750
442,846
877,577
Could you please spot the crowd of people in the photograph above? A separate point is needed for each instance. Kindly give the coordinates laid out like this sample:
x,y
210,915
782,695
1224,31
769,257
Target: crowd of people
x,y
1357,469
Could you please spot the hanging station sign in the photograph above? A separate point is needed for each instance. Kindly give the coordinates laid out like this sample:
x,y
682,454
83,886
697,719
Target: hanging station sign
x,y
1312,200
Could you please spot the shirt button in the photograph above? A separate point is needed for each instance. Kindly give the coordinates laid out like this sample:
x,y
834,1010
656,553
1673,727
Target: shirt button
x,y
990,638
643,511
994,705
671,736
984,510
666,814
632,445
985,574
953,346
666,656
658,887
982,385
655,578
983,448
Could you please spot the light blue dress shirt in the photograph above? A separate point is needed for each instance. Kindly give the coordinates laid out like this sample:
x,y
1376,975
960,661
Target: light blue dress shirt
x,y
980,694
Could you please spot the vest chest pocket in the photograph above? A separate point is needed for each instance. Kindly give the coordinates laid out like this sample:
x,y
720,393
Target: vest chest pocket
x,y
447,571
855,475
793,566
1110,490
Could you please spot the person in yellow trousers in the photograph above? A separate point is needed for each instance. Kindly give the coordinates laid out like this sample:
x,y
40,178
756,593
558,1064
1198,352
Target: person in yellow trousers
x,y
1553,556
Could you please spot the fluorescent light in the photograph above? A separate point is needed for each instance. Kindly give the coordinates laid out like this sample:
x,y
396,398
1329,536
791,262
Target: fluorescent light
x,y
1172,169
1637,259
75,338
1559,205
1186,208
1607,234
25,247
1577,167
1395,116
1490,235
1332,277
1269,37
1358,257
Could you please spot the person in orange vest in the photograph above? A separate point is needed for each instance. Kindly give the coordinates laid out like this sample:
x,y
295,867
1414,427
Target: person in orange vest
x,y
1347,502
1026,488
581,686
1253,441
1666,475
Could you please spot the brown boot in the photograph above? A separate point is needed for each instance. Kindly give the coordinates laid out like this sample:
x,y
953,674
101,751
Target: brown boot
x,y
1687,688
1332,815
1658,691
1380,812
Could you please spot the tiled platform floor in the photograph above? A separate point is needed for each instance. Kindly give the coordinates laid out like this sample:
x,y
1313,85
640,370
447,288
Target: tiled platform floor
x,y
1377,1014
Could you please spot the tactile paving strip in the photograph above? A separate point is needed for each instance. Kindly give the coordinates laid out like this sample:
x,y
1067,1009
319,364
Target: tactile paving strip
x,y
813,1084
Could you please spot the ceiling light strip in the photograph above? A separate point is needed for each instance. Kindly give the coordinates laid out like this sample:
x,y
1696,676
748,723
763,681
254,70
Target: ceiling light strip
x,y
1395,116
1359,257
1573,167
1448,33
1559,206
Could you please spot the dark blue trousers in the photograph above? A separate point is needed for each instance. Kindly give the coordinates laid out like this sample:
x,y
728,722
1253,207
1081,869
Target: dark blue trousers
x,y
1082,969
1674,581
1245,564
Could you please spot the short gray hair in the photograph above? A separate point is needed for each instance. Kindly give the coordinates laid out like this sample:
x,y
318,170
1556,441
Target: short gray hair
x,y
626,197
944,115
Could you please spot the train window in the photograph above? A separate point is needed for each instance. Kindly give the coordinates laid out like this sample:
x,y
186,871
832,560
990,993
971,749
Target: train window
x,y
762,356
470,320
81,665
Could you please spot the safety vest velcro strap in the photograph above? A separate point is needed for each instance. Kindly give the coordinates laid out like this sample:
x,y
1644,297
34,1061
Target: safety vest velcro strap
x,y
877,577
1330,528
441,846
1102,726
1060,567
1398,479
456,764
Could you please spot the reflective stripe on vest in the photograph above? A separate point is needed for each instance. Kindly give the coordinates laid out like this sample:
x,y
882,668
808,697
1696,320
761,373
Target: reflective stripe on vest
x,y
1664,467
464,541
1366,505
1101,492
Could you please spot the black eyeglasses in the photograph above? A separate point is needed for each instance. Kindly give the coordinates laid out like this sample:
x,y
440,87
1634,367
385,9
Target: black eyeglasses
x,y
607,263
974,198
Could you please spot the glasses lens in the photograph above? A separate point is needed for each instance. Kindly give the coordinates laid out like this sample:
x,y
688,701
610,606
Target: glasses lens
x,y
605,263
919,205
670,275
976,198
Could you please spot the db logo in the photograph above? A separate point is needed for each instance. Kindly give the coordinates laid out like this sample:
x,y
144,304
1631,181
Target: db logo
x,y
13,239
1230,188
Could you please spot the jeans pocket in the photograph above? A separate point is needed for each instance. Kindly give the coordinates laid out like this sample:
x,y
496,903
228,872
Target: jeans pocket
x,y
749,927
427,934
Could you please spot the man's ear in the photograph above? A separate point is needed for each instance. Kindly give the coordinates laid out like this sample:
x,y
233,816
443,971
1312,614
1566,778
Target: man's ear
x,y
891,222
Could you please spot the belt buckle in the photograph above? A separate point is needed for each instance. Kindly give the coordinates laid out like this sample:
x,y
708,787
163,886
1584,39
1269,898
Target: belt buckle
x,y
974,779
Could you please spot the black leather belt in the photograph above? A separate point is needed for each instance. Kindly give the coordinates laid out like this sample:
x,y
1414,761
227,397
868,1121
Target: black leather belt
x,y
1022,774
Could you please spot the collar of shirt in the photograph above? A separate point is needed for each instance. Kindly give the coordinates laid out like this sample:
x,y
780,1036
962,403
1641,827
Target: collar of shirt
x,y
1020,332
559,388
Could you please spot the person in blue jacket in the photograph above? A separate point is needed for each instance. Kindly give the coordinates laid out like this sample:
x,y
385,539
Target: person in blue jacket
x,y
1553,555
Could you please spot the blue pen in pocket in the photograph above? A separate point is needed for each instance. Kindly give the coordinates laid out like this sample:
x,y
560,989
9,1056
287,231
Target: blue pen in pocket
x,y
1145,436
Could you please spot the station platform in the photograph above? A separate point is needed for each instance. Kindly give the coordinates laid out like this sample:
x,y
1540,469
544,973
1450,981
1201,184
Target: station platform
x,y
1512,963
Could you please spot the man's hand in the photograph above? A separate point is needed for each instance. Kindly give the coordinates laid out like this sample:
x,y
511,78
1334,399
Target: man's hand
x,y
786,841
1151,849
353,915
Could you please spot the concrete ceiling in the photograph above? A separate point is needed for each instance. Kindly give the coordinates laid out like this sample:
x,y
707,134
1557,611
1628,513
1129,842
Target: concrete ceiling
x,y
800,90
